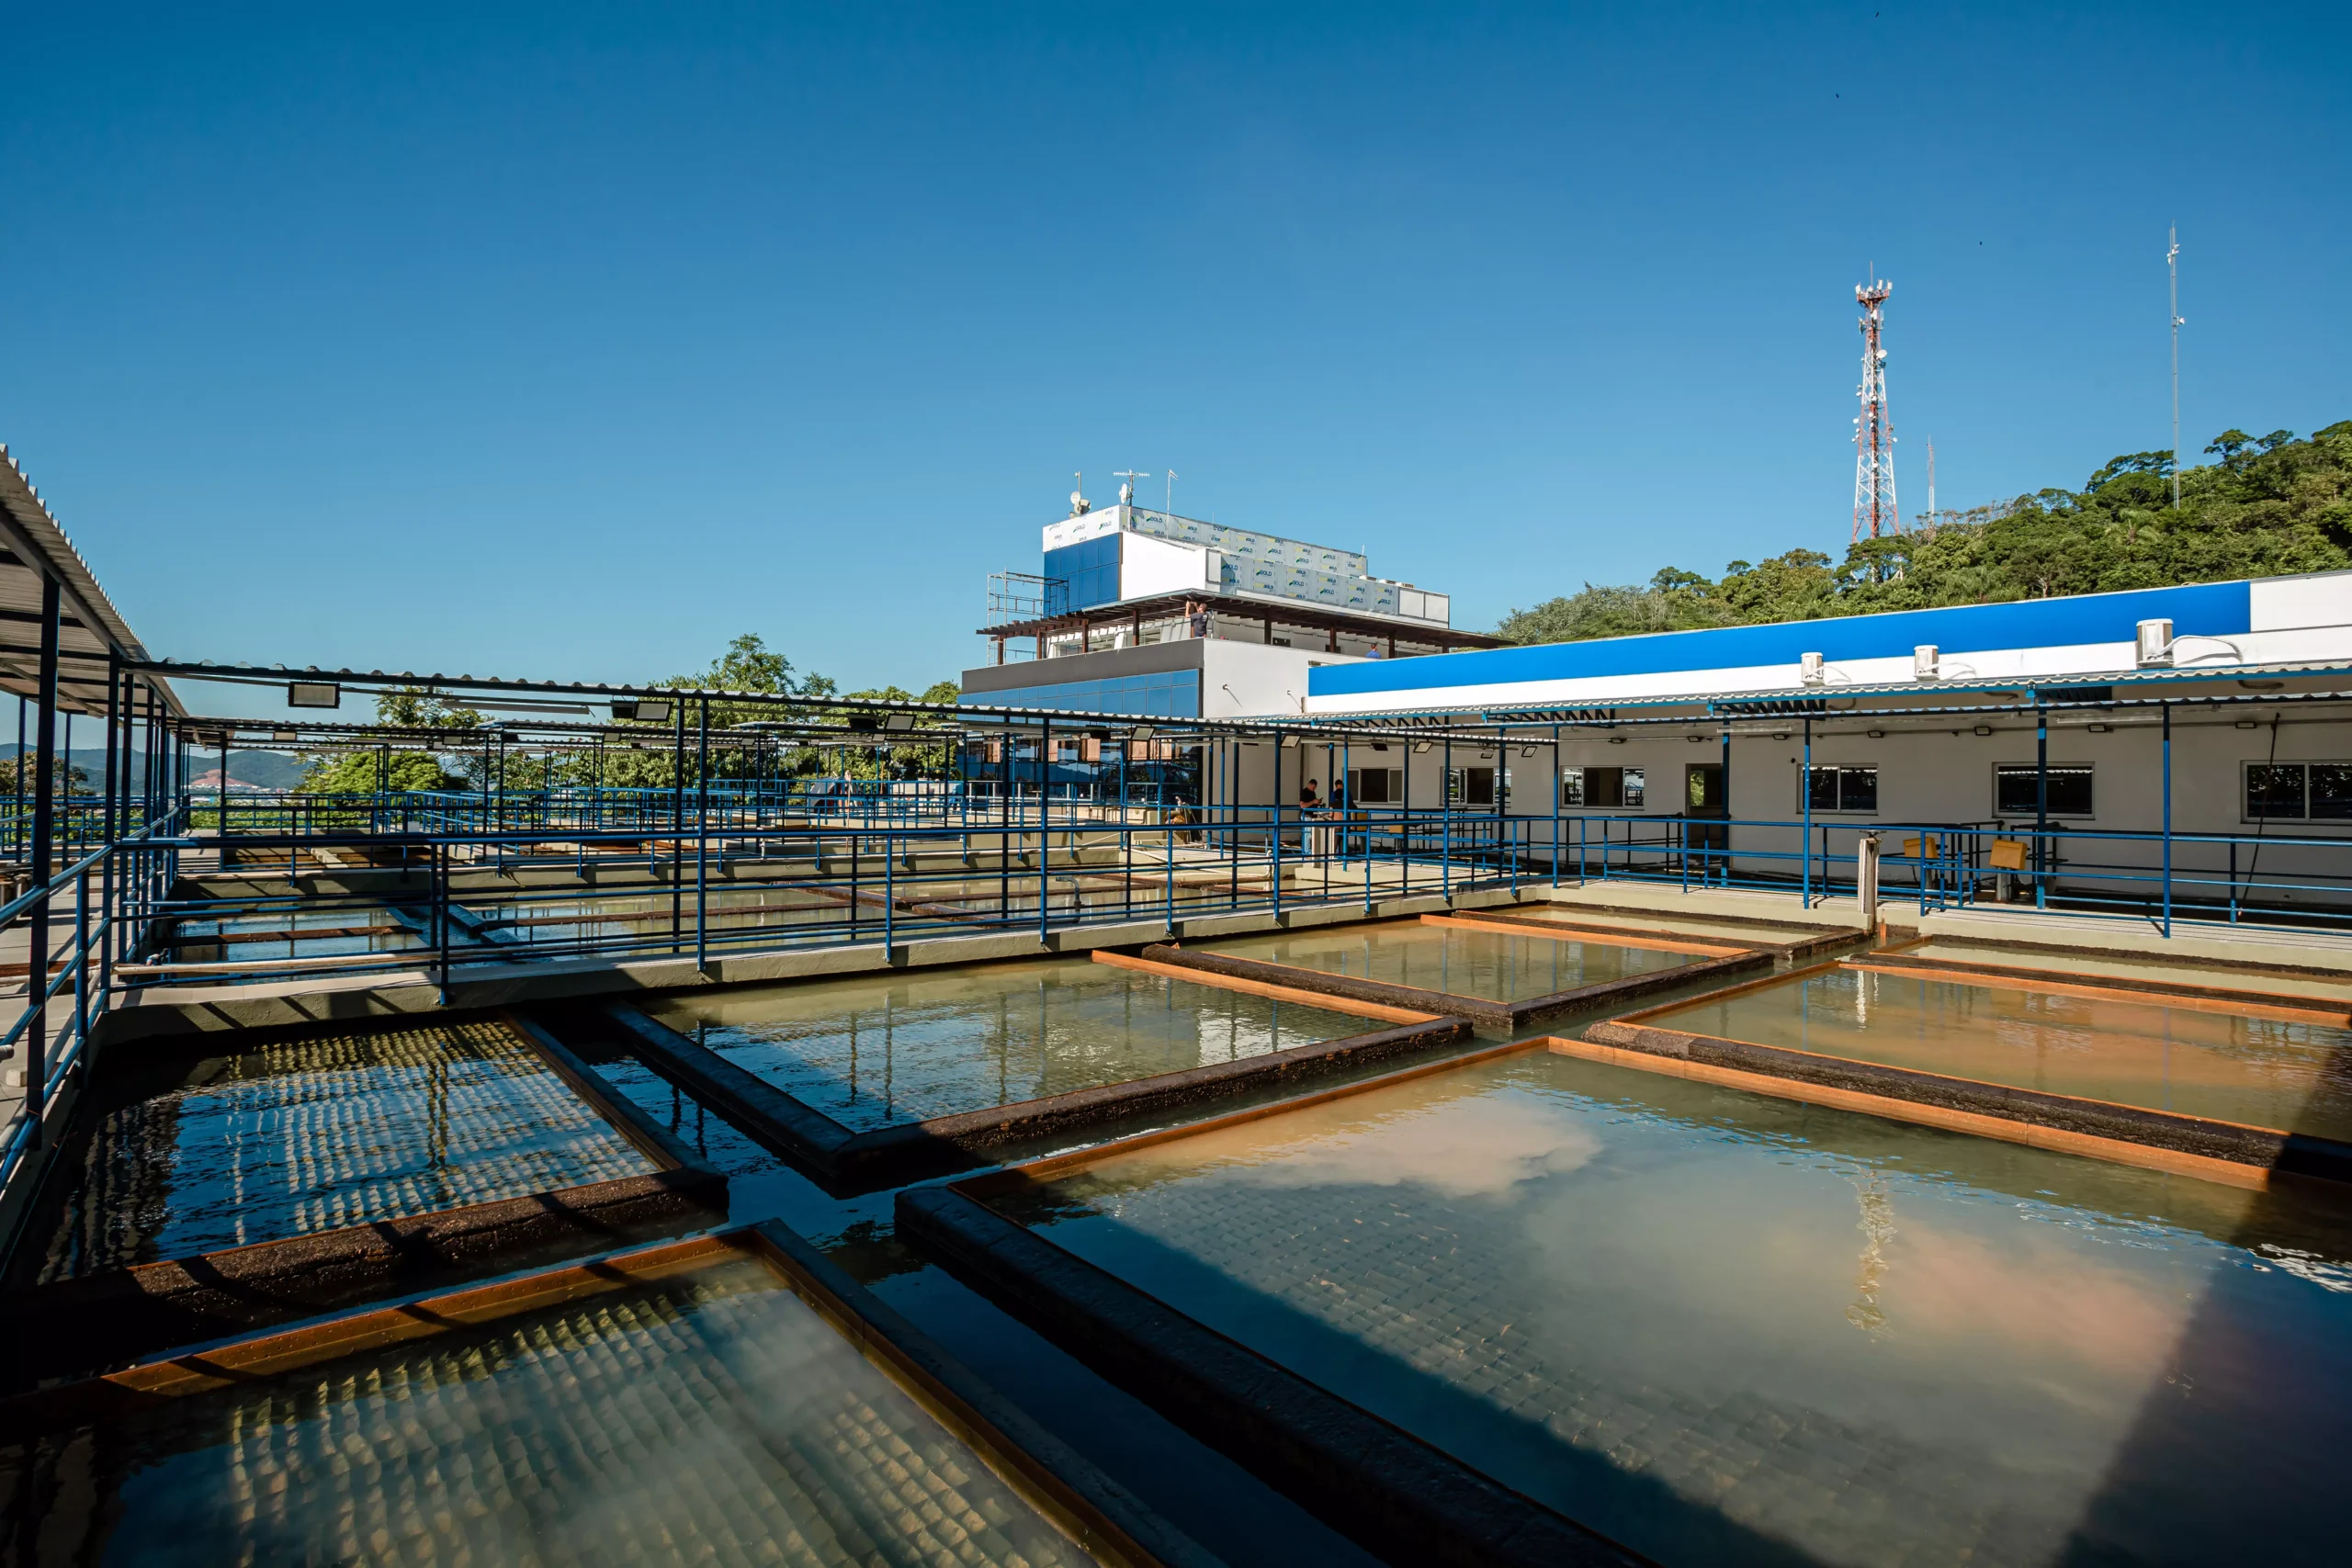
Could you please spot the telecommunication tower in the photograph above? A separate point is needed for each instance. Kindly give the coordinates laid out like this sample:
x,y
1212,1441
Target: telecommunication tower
x,y
1874,508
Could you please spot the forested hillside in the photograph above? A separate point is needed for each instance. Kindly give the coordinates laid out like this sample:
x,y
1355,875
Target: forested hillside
x,y
2265,505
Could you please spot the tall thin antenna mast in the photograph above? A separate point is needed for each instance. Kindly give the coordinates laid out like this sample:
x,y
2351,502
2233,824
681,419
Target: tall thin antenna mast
x,y
1168,506
1874,436
1127,491
2172,264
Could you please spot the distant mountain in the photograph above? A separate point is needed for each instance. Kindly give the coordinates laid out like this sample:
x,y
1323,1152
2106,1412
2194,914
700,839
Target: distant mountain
x,y
258,770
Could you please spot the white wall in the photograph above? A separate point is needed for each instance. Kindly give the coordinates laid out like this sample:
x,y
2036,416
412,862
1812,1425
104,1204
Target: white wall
x,y
1149,567
1252,679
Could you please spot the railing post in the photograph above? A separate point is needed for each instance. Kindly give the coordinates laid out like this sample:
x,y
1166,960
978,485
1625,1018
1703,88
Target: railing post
x,y
2166,709
1805,844
82,960
441,913
702,837
1045,854
44,800
2040,806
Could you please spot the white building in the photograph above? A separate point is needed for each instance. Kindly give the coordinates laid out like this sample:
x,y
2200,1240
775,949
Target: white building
x,y
1148,614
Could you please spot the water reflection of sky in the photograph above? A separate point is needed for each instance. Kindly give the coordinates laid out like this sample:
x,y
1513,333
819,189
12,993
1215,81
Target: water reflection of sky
x,y
1872,1341
872,1050
2282,1073
1497,965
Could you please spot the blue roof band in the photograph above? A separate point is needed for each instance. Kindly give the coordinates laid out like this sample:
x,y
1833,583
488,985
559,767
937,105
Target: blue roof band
x,y
2204,609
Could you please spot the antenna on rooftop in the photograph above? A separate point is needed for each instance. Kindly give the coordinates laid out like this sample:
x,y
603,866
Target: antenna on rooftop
x,y
1168,507
1079,505
1127,491
2172,264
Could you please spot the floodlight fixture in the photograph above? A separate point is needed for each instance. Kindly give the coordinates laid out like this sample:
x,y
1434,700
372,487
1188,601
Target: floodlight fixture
x,y
641,710
313,694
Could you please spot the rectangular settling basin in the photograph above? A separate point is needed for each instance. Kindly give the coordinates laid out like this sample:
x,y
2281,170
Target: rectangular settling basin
x,y
195,1197
684,1406
256,938
1498,964
2282,1062
318,1132
870,1051
1715,1327
901,1074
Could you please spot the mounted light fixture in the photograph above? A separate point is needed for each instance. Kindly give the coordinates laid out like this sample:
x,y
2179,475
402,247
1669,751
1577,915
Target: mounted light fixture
x,y
284,736
1616,740
632,710
1873,734
1779,735
313,694
1421,746
2102,730
898,722
2248,724
1982,729
1695,740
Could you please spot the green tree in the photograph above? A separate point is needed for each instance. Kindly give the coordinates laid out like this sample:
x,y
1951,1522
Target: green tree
x,y
2271,506
24,770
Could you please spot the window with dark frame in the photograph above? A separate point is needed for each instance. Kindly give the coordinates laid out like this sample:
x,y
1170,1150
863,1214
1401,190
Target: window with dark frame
x,y
1605,789
2069,790
1843,789
2299,792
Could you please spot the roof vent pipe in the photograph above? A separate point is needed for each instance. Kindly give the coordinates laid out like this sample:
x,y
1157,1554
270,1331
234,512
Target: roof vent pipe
x,y
2154,643
1813,668
1924,660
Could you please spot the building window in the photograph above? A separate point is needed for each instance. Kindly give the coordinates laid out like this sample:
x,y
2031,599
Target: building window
x,y
1472,786
1375,787
2069,789
1608,789
1844,789
2301,792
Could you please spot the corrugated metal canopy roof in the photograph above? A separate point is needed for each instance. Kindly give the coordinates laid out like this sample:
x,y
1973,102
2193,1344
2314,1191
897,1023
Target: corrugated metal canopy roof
x,y
1589,709
30,544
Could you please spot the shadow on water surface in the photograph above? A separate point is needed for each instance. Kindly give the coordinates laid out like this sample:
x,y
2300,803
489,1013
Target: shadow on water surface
x,y
1579,1484
2218,1367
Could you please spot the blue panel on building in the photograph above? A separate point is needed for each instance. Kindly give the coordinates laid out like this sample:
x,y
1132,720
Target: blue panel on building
x,y
2208,609
1087,574
1174,694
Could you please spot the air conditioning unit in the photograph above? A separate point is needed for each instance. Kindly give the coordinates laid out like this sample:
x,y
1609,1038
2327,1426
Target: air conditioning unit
x,y
1813,669
1924,660
2153,645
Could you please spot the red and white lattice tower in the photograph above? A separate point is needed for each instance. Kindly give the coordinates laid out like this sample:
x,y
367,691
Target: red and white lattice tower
x,y
1875,509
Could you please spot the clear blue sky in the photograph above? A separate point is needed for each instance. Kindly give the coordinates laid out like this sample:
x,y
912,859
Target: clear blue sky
x,y
571,341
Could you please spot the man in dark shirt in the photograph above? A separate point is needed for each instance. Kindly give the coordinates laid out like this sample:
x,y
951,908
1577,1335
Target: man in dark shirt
x,y
1307,799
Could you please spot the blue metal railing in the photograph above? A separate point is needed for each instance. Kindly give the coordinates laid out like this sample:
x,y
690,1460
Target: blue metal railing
x,y
1944,865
